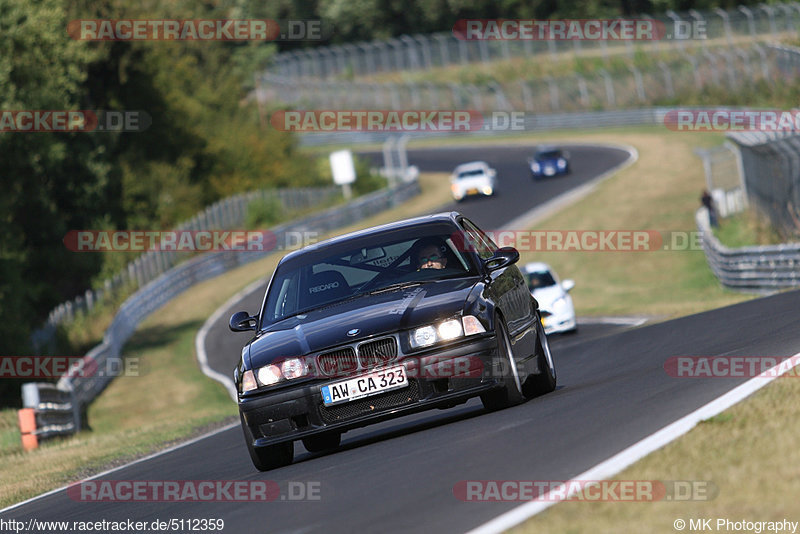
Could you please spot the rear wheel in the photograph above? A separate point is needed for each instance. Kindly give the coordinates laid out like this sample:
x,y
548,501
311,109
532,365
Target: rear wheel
x,y
270,457
322,442
511,392
545,381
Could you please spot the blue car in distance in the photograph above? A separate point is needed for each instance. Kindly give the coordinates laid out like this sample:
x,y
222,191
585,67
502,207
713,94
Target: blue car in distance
x,y
549,161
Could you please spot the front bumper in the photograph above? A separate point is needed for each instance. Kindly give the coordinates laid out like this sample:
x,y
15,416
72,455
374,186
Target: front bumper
x,y
298,412
549,171
559,322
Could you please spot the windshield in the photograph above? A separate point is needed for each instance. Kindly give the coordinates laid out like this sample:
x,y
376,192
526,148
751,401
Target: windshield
x,y
549,154
471,173
540,279
364,266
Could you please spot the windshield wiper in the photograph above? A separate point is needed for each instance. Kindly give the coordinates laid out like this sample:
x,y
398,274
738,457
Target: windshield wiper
x,y
392,287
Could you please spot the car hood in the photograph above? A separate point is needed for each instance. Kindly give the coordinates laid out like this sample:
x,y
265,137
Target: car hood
x,y
546,296
372,315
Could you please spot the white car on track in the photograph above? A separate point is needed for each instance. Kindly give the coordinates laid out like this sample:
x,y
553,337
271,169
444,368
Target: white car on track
x,y
474,178
558,312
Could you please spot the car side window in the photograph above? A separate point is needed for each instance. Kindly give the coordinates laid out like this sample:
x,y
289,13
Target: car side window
x,y
484,246
286,302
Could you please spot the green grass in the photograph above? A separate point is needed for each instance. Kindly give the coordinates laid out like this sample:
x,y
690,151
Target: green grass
x,y
744,229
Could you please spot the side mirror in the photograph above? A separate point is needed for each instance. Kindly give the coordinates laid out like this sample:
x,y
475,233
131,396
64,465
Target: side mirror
x,y
241,321
567,285
492,173
503,257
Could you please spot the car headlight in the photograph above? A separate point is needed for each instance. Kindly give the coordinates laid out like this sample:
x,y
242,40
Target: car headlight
x,y
535,167
422,337
268,375
562,163
450,329
293,368
425,336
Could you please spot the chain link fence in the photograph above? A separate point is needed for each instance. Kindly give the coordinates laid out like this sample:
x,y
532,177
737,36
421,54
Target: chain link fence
x,y
411,53
733,68
724,178
771,170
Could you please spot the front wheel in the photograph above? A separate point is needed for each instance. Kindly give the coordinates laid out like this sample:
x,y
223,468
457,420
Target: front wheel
x,y
545,381
270,457
511,392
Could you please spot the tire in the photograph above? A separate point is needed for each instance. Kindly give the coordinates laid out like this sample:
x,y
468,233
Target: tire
x,y
270,457
511,392
322,442
545,381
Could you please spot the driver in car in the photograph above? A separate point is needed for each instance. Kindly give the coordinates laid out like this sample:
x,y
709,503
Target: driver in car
x,y
430,254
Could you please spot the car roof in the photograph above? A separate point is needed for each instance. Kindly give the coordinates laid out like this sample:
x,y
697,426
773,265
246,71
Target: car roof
x,y
443,217
536,267
470,166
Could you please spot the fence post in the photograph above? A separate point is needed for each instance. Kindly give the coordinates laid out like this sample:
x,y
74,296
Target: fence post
x,y
726,24
610,96
770,11
667,78
637,76
751,23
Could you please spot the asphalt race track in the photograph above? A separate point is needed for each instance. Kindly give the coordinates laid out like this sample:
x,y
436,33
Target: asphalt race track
x,y
399,476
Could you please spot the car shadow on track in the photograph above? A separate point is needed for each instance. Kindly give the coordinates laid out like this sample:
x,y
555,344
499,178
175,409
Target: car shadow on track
x,y
415,423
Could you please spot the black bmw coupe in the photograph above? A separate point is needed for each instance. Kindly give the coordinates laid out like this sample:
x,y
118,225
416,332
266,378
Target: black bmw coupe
x,y
418,314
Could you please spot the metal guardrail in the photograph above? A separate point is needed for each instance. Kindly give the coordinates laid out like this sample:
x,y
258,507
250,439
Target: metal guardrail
x,y
47,412
761,268
83,387
531,122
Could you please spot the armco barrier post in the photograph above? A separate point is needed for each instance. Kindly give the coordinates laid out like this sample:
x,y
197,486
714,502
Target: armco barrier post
x,y
27,428
27,416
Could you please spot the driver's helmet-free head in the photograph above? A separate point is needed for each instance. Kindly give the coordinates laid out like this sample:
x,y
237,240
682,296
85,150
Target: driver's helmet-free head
x,y
426,251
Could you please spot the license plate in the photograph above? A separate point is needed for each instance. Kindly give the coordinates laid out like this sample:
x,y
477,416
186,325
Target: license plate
x,y
472,191
364,385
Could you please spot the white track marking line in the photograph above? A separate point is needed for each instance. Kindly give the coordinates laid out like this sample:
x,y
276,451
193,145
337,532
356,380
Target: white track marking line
x,y
621,460
114,469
